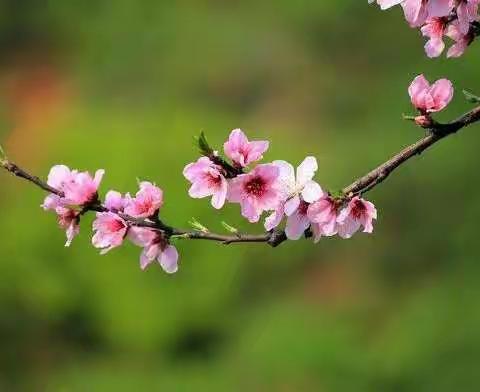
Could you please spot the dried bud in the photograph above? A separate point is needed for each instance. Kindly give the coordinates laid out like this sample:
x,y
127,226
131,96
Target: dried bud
x,y
424,121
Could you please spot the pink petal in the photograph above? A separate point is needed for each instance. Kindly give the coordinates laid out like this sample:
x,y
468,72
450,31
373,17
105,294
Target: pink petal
x,y
434,47
98,177
168,259
348,228
442,93
114,201
296,226
291,205
306,170
439,8
320,211
417,89
415,12
199,190
312,192
256,150
218,198
384,4
72,231
141,236
249,211
52,202
58,174
144,260
274,219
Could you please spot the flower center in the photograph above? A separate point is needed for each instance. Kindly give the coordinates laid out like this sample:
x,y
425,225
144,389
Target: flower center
x,y
358,209
213,180
303,207
65,219
255,186
116,225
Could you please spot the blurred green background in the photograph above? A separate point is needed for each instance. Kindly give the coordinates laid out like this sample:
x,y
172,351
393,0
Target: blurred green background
x,y
125,85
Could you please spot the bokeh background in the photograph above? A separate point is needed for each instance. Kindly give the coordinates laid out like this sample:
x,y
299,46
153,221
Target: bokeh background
x,y
125,85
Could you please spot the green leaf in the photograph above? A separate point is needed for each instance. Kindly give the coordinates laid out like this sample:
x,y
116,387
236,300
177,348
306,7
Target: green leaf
x,y
3,156
197,225
337,194
203,145
407,117
471,97
229,228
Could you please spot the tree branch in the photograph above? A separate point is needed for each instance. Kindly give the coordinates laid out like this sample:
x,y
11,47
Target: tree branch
x,y
273,238
437,131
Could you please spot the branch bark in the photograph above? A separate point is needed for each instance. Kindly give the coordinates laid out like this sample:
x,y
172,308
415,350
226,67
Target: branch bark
x,y
437,132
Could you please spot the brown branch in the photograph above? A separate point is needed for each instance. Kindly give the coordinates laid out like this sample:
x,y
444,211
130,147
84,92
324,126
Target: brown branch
x,y
273,238
437,131
19,172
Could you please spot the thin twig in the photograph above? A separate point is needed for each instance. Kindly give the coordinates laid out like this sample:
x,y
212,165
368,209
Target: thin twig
x,y
437,131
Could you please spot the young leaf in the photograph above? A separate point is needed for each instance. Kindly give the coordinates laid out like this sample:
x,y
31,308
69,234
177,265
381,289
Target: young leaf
x,y
3,156
203,145
229,228
471,97
197,225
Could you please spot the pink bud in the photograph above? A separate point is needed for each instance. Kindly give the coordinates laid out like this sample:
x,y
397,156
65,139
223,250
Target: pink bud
x,y
241,151
146,202
430,98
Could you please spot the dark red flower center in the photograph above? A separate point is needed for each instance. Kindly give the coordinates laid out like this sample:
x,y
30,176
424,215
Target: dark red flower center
x,y
116,225
359,209
256,186
214,181
303,207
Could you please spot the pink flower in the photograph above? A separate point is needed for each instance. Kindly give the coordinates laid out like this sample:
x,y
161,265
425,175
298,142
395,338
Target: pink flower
x,y
300,186
274,219
68,219
297,222
297,192
207,180
434,29
418,11
323,215
461,40
146,202
110,230
114,201
358,213
428,99
155,247
256,191
241,151
78,188
415,11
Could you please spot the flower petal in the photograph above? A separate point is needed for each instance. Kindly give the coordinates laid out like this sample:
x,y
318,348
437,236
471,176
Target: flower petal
x,y
168,259
312,192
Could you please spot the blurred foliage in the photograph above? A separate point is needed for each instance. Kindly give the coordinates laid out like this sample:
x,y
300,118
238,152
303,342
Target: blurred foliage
x,y
124,86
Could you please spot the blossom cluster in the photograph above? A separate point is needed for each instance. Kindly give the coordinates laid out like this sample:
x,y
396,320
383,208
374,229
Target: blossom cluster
x,y
78,193
455,19
278,189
